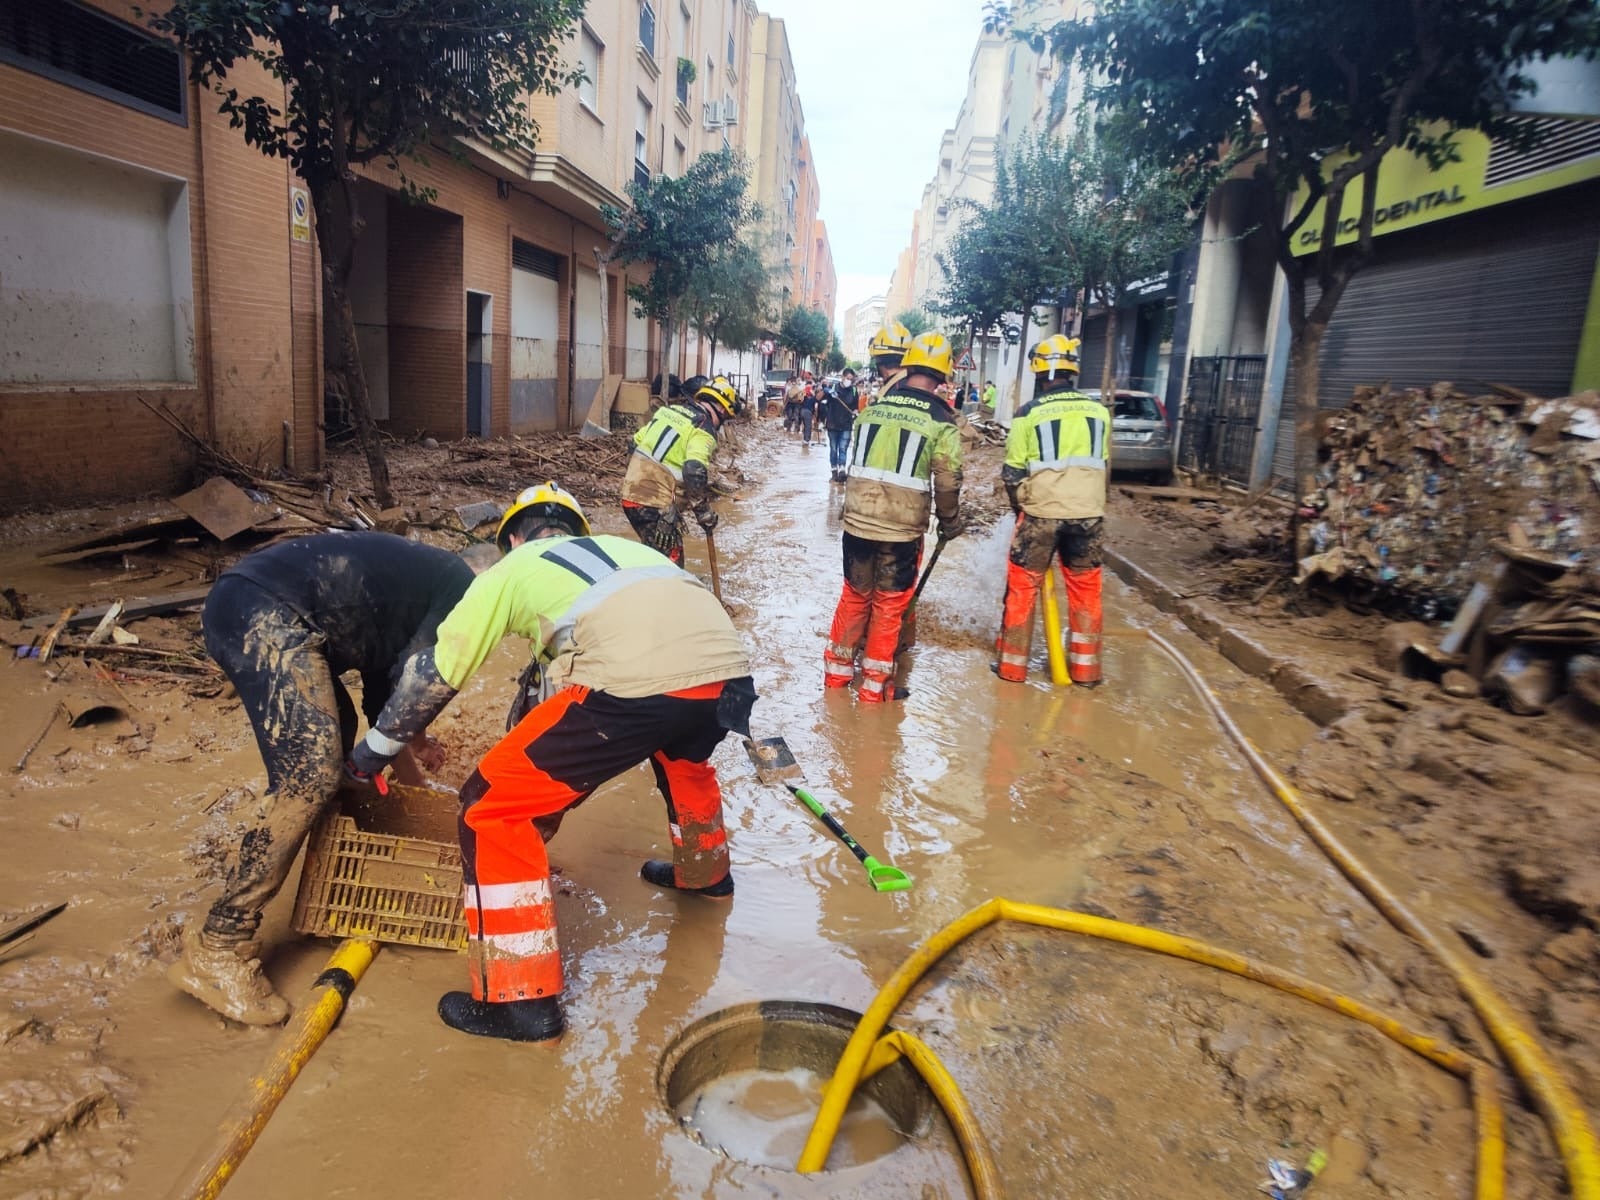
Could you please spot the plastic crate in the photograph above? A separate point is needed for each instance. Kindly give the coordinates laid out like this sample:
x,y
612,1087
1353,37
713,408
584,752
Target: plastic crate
x,y
386,868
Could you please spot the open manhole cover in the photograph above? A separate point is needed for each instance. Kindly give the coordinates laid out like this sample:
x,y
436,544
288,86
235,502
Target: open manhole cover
x,y
747,1082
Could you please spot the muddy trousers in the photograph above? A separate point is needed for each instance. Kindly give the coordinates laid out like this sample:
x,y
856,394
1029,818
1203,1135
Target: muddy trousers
x,y
1036,541
555,757
879,579
659,528
305,724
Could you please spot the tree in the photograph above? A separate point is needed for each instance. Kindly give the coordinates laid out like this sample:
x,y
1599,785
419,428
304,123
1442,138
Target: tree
x,y
834,360
975,291
805,331
678,226
727,298
1315,95
372,82
1123,222
916,321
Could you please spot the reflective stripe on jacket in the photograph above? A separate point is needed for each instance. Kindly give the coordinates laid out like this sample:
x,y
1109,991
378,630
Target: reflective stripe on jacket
x,y
1057,456
904,460
674,438
600,611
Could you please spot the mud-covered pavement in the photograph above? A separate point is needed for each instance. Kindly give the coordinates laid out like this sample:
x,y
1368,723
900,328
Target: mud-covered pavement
x,y
1094,1070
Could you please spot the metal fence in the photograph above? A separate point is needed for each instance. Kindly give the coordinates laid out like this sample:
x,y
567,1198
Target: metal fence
x,y
1220,416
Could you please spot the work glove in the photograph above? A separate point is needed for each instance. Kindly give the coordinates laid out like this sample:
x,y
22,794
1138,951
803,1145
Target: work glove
x,y
950,528
707,517
365,766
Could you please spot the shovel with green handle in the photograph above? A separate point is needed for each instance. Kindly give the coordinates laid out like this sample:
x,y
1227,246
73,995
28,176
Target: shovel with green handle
x,y
775,763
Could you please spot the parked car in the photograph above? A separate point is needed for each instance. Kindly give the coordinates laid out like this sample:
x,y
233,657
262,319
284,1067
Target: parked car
x,y
773,383
1140,440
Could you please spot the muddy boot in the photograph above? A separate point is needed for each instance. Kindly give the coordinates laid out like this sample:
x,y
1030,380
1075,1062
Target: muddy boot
x,y
510,1020
217,973
661,873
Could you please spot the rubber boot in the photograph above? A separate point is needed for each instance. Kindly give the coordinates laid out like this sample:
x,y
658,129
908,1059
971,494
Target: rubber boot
x,y
225,977
510,1020
661,873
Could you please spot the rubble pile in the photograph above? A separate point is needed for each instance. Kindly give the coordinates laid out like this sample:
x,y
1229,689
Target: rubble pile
x,y
1418,485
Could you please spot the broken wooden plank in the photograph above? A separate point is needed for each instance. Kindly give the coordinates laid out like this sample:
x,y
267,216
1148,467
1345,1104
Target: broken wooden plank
x,y
139,606
147,530
48,646
1148,492
223,508
108,622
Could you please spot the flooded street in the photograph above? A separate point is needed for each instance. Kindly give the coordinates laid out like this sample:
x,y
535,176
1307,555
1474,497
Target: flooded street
x,y
1094,1070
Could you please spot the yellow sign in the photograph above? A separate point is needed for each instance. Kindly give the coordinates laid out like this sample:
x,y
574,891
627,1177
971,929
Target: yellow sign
x,y
1410,194
299,214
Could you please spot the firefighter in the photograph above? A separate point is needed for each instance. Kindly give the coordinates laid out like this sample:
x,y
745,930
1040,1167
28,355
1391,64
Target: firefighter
x,y
671,464
284,624
635,661
886,350
904,460
1057,461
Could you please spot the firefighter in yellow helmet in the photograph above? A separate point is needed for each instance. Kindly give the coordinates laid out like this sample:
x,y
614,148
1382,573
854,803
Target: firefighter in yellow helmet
x,y
886,350
670,469
639,662
1057,460
904,464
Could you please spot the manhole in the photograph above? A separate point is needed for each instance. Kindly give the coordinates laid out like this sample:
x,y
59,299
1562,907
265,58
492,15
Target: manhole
x,y
747,1082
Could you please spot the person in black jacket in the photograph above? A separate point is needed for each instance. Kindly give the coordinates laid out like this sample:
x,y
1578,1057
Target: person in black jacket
x,y
283,624
839,406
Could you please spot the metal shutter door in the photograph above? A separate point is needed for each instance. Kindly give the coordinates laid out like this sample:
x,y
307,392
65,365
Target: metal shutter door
x,y
1495,297
1092,353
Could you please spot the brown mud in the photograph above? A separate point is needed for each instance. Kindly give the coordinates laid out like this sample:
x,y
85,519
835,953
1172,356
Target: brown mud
x,y
1094,1070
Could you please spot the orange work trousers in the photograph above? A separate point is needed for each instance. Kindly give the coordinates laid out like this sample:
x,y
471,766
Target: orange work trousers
x,y
550,762
879,580
1034,543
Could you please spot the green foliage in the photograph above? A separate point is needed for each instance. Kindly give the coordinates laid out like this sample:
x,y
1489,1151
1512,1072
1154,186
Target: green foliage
x,y
373,81
687,72
727,298
834,359
915,320
806,332
678,226
1315,94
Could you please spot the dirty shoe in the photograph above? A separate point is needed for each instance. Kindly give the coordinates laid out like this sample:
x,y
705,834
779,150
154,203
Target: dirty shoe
x,y
660,873
215,973
537,1020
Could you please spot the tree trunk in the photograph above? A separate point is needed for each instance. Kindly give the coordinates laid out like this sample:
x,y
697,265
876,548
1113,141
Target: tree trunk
x,y
1306,354
983,361
669,327
339,225
1108,373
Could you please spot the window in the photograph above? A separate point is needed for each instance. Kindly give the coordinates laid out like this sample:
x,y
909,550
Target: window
x,y
731,53
647,27
90,50
641,141
589,52
680,158
685,46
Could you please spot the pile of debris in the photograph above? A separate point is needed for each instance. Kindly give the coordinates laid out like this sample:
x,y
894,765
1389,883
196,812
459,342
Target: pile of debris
x,y
1527,634
1418,485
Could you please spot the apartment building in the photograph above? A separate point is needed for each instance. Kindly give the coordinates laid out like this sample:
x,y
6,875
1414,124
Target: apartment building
x,y
151,253
861,321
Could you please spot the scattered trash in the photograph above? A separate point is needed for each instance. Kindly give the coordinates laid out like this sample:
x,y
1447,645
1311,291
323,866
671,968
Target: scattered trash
x,y
1416,485
1289,1182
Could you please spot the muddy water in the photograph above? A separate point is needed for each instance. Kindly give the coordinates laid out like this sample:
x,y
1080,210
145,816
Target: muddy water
x,y
1095,1070
764,1117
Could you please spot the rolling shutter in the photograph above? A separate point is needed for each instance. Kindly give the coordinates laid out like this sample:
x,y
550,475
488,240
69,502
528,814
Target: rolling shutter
x,y
1498,296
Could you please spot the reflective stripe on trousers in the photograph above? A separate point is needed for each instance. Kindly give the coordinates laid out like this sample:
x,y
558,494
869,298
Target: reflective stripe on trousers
x,y
1084,621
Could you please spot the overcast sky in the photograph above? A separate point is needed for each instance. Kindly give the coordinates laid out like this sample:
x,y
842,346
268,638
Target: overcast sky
x,y
876,104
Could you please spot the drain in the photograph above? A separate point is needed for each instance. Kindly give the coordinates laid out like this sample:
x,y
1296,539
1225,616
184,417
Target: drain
x,y
747,1082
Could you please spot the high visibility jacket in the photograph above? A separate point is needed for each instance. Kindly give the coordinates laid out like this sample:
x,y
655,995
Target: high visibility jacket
x,y
905,459
671,461
1057,456
600,611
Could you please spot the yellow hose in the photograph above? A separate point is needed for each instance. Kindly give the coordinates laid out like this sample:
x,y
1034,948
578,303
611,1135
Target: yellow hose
x,y
860,1050
1563,1112
210,1171
887,1050
1052,632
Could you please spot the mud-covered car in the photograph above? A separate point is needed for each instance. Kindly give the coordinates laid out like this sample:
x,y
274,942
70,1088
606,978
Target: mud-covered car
x,y
772,385
1140,441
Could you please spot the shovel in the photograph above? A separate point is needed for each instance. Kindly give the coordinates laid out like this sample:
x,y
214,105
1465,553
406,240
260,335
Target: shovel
x,y
908,624
775,763
711,557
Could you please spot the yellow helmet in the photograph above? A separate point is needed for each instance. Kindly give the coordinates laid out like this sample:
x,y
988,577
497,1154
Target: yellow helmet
x,y
719,391
929,352
889,342
548,499
1056,355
